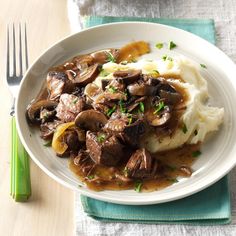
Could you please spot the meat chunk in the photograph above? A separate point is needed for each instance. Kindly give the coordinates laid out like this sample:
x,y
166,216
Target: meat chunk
x,y
131,133
47,129
69,107
84,162
58,83
141,165
104,150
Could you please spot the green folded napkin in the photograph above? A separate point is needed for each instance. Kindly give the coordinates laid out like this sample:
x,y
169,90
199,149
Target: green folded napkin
x,y
208,207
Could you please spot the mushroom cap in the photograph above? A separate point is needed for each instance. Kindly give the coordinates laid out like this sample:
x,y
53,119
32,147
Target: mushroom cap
x,y
90,120
34,108
158,119
128,76
88,75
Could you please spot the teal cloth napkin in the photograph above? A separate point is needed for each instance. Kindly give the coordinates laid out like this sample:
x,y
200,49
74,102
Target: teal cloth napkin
x,y
208,207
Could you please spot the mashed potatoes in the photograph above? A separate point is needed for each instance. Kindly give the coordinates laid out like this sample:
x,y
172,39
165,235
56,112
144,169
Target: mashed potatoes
x,y
199,118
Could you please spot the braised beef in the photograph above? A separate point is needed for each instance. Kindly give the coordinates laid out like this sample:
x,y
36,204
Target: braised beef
x,y
102,150
58,83
141,165
47,129
69,107
84,162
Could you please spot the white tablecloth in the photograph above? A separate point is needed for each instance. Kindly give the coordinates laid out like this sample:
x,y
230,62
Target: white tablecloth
x,y
224,14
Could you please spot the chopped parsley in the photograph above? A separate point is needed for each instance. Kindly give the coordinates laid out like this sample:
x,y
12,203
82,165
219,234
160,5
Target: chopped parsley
x,y
111,110
196,153
203,66
48,144
103,73
101,138
130,119
122,106
112,89
173,180
90,176
126,171
159,107
172,168
138,186
165,57
156,71
141,107
159,45
172,45
75,100
184,129
110,57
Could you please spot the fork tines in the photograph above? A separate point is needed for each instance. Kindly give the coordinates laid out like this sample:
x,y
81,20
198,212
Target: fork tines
x,y
16,56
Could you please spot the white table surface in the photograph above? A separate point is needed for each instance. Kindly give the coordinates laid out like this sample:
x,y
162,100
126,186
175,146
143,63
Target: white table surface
x,y
224,15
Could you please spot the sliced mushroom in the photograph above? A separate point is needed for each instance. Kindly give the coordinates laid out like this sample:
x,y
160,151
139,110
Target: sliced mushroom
x,y
104,56
159,119
33,110
88,75
141,89
135,104
90,120
128,76
170,97
83,61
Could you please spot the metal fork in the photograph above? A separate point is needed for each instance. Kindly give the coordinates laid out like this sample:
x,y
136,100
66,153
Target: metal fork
x,y
20,175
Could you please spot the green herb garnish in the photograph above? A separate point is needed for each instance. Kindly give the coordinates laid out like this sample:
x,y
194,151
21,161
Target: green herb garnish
x,y
75,100
196,153
101,138
110,57
159,45
173,180
122,106
203,66
48,144
156,71
111,110
159,107
164,57
90,176
141,107
172,168
112,89
130,119
172,45
103,73
126,171
184,129
138,186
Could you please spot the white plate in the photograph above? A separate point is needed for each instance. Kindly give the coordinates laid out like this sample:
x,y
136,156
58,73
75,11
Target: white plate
x,y
218,152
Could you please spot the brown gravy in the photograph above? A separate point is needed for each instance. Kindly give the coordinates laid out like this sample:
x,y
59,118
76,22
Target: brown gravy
x,y
171,162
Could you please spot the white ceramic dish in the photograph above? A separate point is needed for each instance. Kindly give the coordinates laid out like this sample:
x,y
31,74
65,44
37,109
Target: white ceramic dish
x,y
218,152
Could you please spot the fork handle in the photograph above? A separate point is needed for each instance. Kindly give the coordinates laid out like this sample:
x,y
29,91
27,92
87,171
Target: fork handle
x,y
20,171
